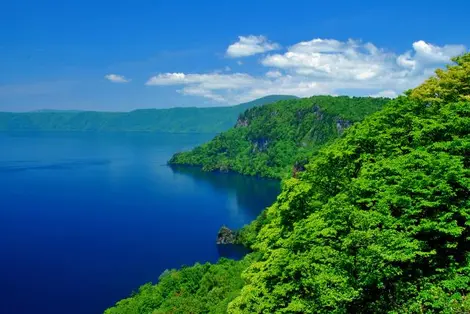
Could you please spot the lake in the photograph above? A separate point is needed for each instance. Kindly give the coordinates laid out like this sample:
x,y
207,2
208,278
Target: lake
x,y
85,219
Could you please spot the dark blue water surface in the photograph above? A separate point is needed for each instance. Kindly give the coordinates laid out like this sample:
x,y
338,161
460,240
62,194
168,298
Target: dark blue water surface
x,y
86,219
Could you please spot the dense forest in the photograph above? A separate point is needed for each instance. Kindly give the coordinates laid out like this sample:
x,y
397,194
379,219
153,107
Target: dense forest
x,y
268,140
173,120
377,223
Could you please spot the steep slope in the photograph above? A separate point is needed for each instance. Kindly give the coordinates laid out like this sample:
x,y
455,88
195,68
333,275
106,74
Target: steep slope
x,y
268,140
173,120
379,222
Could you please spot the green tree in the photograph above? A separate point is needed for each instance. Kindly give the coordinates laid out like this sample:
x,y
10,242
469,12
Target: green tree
x,y
268,140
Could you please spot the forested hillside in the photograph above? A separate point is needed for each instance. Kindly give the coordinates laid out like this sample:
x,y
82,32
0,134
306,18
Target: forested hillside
x,y
379,222
268,140
173,120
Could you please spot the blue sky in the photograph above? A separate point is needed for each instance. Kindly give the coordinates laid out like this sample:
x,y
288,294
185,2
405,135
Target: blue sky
x,y
123,55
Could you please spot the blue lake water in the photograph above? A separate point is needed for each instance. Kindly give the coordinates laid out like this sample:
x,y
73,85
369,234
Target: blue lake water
x,y
85,218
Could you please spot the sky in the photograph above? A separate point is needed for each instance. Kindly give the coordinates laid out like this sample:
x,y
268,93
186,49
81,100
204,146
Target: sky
x,y
123,55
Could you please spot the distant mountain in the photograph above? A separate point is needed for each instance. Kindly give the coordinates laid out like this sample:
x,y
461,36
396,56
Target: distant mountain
x,y
172,120
56,110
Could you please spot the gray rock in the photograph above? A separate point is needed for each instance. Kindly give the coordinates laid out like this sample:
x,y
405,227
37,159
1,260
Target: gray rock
x,y
227,236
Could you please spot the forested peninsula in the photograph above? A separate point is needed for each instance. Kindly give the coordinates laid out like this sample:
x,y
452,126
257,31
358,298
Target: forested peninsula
x,y
172,120
378,221
276,139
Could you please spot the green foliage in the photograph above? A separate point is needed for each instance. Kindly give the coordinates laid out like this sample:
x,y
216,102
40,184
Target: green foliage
x,y
378,223
268,140
198,289
449,85
174,120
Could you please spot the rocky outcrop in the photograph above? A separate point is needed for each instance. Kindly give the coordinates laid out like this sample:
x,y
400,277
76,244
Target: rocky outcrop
x,y
342,125
300,114
318,112
260,144
242,122
227,236
298,167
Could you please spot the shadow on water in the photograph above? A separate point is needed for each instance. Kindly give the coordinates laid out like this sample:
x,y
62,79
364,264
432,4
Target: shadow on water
x,y
232,251
252,193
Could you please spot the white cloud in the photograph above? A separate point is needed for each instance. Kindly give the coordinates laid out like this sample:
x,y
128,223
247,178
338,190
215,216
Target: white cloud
x,y
405,60
273,74
250,45
385,93
167,79
236,87
428,53
286,85
115,78
320,66
211,81
202,92
425,55
332,59
318,45
239,62
353,64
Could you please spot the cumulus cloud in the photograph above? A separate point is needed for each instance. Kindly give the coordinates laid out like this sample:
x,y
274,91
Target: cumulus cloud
x,y
115,78
428,53
332,59
320,66
425,55
250,45
353,64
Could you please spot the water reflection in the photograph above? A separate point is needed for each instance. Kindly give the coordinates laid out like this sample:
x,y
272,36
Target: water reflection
x,y
250,193
232,251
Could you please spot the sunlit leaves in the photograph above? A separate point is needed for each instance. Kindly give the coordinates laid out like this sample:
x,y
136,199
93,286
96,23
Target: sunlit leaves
x,y
379,222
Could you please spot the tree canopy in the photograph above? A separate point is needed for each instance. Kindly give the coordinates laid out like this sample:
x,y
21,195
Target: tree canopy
x,y
377,223
268,140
